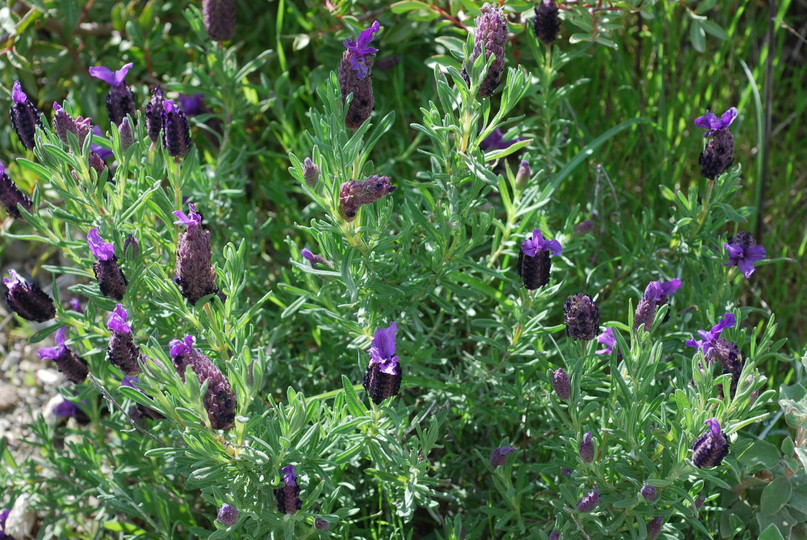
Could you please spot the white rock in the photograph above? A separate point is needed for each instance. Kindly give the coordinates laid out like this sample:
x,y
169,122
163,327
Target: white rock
x,y
21,520
8,396
49,377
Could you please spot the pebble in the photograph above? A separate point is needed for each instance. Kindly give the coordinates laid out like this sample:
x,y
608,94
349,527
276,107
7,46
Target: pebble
x,y
48,377
8,396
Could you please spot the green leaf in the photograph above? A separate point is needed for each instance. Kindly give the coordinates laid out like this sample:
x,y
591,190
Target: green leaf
x,y
408,5
771,533
354,404
775,496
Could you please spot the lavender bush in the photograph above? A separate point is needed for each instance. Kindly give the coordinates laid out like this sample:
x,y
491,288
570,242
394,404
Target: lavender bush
x,y
295,307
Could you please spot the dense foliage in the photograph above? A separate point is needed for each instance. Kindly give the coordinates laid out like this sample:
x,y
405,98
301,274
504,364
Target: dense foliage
x,y
363,358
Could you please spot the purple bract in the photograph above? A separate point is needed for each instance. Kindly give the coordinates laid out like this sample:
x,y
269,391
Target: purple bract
x,y
117,321
382,350
113,78
710,337
361,50
712,123
533,245
608,339
104,251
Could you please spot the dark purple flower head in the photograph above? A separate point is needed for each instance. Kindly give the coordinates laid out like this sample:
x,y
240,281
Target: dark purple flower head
x,y
586,448
608,339
103,251
63,122
648,492
227,515
562,384
321,524
219,17
26,299
188,220
699,502
710,449
496,141
117,321
310,172
743,252
11,196
491,31
359,51
68,362
192,105
499,456
567,472
712,123
589,501
584,227
546,23
536,243
382,350
654,527
154,113
582,317
710,337
353,194
554,535
24,116
176,130
102,152
112,78
288,496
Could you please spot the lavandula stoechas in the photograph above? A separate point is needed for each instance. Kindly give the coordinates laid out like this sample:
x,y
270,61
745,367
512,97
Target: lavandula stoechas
x,y
710,449
718,155
63,122
219,400
383,376
499,456
219,17
110,277
195,275
122,350
68,362
24,116
355,193
11,196
355,76
288,496
743,252
582,317
154,114
533,260
26,299
176,130
589,501
491,31
562,384
120,99
655,295
546,23
586,448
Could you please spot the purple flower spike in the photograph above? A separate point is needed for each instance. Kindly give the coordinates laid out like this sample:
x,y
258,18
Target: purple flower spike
x,y
491,31
103,251
586,448
499,456
68,362
589,501
743,252
26,299
710,338
561,384
195,275
117,321
710,449
712,123
361,50
546,23
608,339
383,376
176,130
288,496
24,116
353,194
11,197
537,243
112,78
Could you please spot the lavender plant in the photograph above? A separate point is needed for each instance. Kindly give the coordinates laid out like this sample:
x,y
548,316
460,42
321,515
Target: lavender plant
x,y
378,345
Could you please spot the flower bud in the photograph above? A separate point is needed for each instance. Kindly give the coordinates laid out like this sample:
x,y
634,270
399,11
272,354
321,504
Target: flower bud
x,y
523,175
24,116
314,260
499,456
131,247
219,17
654,527
731,360
554,535
195,275
310,173
356,193
122,350
219,400
582,317
586,448
699,502
646,309
288,496
176,130
68,362
584,227
110,277
356,78
321,524
125,133
26,299
562,384
648,492
710,449
63,122
589,501
154,114
718,155
97,164
227,515
11,196
491,30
